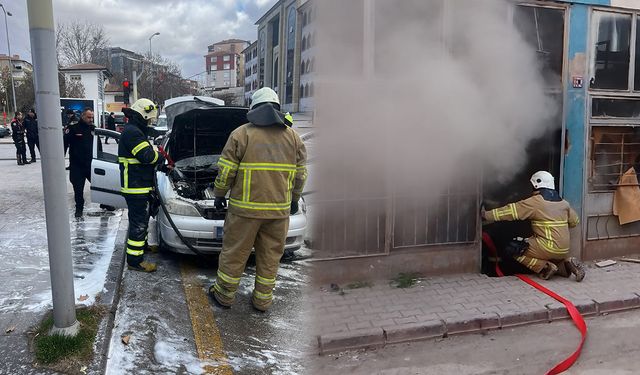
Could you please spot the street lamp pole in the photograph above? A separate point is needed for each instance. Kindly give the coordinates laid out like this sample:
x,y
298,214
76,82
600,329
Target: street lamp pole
x,y
151,62
6,27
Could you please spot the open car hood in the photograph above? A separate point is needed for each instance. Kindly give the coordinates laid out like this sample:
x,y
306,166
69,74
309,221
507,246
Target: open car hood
x,y
177,106
203,130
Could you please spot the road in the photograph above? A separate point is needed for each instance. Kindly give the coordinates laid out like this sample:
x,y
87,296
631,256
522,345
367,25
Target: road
x,y
611,348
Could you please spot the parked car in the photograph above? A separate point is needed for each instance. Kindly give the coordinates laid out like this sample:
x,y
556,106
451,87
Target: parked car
x,y
160,129
198,129
120,121
4,132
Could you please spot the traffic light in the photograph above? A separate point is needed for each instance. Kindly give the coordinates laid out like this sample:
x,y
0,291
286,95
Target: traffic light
x,y
126,90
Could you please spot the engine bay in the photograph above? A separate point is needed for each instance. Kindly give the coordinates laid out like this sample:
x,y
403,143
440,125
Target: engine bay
x,y
192,177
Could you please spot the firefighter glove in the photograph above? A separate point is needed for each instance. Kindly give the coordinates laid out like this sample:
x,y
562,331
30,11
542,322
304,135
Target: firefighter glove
x,y
294,207
220,203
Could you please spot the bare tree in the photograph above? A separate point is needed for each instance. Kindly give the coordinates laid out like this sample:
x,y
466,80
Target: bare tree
x,y
75,41
167,80
70,89
228,97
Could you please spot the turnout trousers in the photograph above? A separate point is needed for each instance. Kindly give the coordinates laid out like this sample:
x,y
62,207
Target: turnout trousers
x,y
241,234
138,207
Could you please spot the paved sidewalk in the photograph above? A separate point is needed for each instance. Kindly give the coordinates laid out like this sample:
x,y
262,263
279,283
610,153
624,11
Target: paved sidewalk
x,y
441,306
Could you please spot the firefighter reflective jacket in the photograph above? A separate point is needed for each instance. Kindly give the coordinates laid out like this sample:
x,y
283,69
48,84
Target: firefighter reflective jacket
x,y
137,160
550,221
264,166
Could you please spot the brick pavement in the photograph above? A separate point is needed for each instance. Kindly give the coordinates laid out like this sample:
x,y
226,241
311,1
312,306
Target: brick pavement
x,y
446,305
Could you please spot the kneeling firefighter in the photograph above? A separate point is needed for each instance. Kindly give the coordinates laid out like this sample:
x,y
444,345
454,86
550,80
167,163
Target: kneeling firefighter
x,y
263,164
138,161
545,253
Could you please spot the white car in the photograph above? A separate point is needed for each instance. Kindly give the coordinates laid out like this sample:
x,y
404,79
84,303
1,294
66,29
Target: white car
x,y
198,130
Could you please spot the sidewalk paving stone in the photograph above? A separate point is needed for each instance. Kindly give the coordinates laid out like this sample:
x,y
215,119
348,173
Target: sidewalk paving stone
x,y
456,304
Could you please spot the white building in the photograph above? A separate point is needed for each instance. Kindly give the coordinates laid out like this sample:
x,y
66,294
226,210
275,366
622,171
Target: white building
x,y
93,78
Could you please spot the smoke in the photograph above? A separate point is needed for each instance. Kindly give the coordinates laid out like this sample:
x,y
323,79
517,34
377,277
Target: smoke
x,y
434,95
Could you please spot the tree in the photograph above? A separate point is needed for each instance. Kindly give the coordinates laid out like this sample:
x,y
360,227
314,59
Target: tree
x,y
75,41
167,83
25,95
70,89
227,96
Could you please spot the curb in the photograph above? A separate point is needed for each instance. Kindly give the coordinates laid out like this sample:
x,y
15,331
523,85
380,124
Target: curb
x,y
110,299
368,338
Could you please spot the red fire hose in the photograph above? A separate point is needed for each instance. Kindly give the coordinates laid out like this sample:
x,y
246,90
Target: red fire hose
x,y
573,312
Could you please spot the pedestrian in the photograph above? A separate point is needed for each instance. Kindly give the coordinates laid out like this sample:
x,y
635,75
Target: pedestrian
x,y
546,252
138,161
31,125
17,133
111,125
79,140
263,167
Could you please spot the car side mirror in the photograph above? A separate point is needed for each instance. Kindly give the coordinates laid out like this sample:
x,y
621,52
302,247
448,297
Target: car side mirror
x,y
158,140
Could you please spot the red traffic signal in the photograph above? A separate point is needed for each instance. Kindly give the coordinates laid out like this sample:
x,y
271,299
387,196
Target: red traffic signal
x,y
125,84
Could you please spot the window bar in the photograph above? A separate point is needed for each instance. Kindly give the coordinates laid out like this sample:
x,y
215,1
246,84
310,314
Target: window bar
x,y
632,52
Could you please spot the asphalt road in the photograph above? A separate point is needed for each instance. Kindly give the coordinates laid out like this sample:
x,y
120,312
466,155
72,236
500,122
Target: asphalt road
x,y
612,348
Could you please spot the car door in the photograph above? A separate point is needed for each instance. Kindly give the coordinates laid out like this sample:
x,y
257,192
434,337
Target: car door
x,y
105,172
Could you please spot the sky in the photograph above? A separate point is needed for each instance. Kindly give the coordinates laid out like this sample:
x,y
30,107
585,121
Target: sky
x,y
186,27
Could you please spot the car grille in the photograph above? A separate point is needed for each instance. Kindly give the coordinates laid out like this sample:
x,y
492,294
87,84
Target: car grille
x,y
213,214
205,242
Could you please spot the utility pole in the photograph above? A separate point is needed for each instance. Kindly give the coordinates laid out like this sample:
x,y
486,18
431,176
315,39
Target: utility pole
x,y
6,28
151,62
43,51
134,88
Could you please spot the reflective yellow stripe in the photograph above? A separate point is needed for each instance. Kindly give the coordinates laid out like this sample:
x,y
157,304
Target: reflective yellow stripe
x,y
495,215
268,168
514,211
246,185
139,147
292,177
155,158
532,262
135,190
220,290
265,281
551,249
276,166
134,252
228,163
259,206
135,243
129,160
520,258
558,223
228,279
265,296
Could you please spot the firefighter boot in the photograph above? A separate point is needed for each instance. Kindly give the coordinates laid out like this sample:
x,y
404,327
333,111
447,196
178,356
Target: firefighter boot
x,y
136,263
575,267
549,270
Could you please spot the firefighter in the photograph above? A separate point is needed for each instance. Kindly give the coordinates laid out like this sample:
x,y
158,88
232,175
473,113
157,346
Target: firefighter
x,y
138,161
546,252
263,168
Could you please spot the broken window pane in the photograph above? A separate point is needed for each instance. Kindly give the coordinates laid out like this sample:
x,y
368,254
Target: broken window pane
x,y
543,29
615,108
610,61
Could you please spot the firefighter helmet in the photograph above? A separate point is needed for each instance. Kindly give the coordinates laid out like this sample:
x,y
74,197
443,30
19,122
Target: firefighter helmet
x,y
264,95
146,108
543,180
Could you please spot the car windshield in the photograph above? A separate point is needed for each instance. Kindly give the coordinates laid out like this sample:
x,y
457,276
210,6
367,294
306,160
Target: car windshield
x,y
162,122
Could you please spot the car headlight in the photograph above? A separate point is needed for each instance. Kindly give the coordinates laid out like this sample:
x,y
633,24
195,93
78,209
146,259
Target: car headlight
x,y
302,207
178,207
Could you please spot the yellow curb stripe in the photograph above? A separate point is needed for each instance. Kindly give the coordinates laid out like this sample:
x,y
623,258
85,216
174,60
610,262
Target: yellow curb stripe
x,y
205,329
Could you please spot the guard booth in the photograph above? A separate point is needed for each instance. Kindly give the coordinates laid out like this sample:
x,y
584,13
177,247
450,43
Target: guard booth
x,y
591,71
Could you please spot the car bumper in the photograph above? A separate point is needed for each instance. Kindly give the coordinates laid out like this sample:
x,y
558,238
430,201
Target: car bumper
x,y
203,235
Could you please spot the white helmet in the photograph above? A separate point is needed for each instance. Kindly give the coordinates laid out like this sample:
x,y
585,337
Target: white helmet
x,y
543,179
264,95
146,108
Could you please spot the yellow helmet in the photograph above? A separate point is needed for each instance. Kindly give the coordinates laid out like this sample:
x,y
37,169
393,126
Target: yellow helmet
x,y
146,108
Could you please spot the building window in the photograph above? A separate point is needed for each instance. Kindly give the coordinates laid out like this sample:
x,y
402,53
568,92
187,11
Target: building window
x,y
226,66
226,74
615,149
214,59
226,58
75,77
301,91
611,34
303,67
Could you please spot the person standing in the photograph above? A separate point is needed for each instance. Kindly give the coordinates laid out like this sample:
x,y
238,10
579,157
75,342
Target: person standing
x,y
263,167
18,133
79,140
31,125
111,125
138,161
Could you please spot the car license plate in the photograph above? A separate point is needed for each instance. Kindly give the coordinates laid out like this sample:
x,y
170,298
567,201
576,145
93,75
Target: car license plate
x,y
219,231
